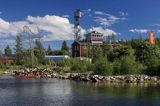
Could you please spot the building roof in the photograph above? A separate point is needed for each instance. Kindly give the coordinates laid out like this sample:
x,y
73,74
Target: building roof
x,y
86,43
95,32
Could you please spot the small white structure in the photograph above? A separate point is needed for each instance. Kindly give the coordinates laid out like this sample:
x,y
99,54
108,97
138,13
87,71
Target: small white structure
x,y
58,57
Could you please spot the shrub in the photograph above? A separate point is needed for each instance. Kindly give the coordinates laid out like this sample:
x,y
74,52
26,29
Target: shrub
x,y
103,67
81,66
127,65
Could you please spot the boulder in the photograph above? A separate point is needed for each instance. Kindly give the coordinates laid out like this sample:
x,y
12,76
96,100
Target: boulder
x,y
94,79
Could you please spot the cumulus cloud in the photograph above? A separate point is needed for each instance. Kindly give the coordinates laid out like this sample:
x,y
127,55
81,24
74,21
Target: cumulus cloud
x,y
3,25
10,28
56,28
139,30
106,32
52,27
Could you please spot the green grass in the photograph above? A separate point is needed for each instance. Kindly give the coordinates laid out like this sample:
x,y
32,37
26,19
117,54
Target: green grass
x,y
2,72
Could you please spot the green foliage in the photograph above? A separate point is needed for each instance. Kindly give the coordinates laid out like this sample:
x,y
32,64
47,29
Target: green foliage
x,y
19,54
153,65
49,50
1,54
148,55
4,66
103,67
97,53
134,57
64,63
65,48
80,66
58,52
39,51
119,52
127,65
8,51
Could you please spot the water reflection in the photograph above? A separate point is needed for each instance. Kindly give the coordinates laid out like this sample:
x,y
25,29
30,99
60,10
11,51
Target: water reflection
x,y
54,92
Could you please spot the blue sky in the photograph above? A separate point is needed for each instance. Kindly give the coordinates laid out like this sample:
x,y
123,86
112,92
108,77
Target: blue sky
x,y
127,19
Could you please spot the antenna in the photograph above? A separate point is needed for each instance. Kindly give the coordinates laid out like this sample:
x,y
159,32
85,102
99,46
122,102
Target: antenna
x,y
77,28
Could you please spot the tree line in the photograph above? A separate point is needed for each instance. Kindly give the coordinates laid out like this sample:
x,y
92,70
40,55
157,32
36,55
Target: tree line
x,y
24,56
136,56
133,57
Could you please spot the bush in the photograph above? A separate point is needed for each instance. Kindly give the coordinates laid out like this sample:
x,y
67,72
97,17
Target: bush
x,y
127,65
81,66
153,66
103,67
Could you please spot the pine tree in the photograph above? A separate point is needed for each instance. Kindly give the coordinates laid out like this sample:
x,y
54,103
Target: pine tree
x,y
65,48
8,51
49,50
19,50
1,54
39,50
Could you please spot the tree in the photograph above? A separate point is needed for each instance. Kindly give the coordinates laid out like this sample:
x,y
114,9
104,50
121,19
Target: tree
x,y
127,65
65,48
8,51
96,53
39,50
103,67
152,60
120,52
49,50
1,54
19,55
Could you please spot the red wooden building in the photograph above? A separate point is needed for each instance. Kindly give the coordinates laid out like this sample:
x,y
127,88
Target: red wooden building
x,y
7,60
79,49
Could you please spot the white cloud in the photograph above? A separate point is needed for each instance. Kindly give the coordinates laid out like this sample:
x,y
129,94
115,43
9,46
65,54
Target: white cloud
x,y
106,19
99,13
88,10
53,27
158,31
156,25
65,16
0,12
139,30
11,28
57,28
123,13
106,32
3,25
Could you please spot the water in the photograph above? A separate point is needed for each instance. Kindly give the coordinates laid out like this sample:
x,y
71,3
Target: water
x,y
52,92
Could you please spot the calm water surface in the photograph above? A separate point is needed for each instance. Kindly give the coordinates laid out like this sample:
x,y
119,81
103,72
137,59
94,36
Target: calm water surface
x,y
52,92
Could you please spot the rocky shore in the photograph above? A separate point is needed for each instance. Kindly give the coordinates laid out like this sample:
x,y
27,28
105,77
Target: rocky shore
x,y
47,73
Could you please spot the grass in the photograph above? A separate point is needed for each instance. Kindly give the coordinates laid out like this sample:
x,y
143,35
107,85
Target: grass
x,y
2,72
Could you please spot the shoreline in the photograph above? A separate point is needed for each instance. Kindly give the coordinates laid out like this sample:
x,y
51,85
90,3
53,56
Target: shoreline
x,y
83,77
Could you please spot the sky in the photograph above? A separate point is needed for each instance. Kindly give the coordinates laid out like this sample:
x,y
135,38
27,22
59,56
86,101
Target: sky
x,y
53,19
